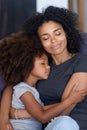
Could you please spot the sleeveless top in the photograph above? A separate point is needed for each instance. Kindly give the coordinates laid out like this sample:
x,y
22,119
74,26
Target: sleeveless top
x,y
24,124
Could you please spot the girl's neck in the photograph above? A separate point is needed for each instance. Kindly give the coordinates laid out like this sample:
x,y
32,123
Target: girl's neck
x,y
59,59
31,81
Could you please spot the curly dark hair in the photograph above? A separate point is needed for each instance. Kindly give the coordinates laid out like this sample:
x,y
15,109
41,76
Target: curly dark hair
x,y
17,55
68,20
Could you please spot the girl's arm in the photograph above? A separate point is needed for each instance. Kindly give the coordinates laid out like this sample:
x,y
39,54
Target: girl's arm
x,y
22,113
5,108
37,111
81,80
78,78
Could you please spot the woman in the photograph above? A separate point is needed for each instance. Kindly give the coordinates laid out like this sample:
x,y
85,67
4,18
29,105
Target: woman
x,y
58,31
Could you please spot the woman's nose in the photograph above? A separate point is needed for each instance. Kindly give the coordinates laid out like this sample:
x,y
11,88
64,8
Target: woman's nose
x,y
48,67
53,39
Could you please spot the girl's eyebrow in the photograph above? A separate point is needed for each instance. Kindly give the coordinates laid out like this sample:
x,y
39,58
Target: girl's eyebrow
x,y
53,31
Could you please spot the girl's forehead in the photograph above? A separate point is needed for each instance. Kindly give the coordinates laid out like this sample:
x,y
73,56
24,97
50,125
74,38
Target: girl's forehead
x,y
43,56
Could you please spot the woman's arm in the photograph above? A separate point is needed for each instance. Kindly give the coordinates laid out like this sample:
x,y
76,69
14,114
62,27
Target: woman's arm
x,y
5,108
81,80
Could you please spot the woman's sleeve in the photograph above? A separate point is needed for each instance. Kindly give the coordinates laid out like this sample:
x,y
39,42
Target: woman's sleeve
x,y
81,63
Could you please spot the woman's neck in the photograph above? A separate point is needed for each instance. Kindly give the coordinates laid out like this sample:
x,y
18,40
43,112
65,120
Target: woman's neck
x,y
59,59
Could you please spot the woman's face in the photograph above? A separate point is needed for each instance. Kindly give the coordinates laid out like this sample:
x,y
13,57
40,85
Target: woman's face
x,y
53,38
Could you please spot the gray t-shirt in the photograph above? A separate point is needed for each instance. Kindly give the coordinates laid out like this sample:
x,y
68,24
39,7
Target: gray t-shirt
x,y
51,90
24,124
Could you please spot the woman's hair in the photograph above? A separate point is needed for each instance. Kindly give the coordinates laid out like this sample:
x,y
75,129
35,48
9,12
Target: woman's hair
x,y
68,20
17,56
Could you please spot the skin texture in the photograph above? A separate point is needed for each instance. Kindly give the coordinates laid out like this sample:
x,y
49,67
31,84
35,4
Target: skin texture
x,y
41,73
54,40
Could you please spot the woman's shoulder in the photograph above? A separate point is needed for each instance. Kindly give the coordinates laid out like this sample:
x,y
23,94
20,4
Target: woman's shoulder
x,y
81,57
81,54
80,63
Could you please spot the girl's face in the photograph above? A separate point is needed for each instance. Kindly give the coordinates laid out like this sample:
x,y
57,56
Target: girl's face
x,y
41,68
53,38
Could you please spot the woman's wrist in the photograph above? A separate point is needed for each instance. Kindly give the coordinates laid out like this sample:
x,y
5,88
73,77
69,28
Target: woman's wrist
x,y
19,113
15,114
12,113
22,113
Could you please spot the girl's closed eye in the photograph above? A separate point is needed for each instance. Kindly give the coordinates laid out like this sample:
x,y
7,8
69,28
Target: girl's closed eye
x,y
44,63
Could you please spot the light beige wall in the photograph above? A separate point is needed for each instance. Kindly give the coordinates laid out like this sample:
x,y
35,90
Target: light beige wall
x,y
44,3
78,6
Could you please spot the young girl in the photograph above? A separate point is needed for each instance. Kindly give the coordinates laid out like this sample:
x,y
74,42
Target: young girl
x,y
22,64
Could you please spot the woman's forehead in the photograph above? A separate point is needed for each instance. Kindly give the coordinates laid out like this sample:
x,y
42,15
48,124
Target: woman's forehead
x,y
49,26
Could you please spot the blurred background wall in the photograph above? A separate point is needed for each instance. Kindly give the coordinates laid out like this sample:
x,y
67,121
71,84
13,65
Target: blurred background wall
x,y
13,13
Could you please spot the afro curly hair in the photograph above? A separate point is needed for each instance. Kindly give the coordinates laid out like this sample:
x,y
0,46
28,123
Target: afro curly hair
x,y
17,55
65,17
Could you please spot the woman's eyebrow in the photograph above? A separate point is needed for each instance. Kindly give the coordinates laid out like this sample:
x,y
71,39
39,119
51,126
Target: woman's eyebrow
x,y
44,34
57,29
53,31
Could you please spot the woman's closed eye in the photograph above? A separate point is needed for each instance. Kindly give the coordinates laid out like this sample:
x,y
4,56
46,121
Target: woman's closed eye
x,y
57,33
45,37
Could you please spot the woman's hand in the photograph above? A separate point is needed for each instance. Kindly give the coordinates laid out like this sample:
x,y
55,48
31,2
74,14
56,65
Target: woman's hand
x,y
19,113
76,95
12,113
5,125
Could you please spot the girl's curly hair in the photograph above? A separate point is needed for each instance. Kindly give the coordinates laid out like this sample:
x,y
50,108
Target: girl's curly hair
x,y
17,55
68,20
